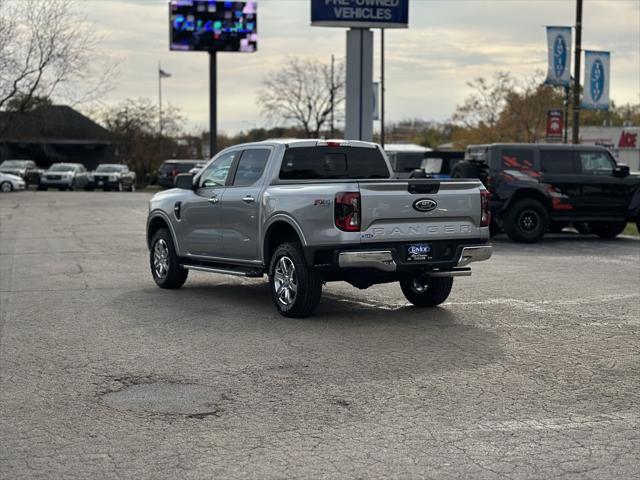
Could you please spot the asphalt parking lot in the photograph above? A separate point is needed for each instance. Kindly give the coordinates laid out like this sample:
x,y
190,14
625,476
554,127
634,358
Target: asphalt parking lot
x,y
530,370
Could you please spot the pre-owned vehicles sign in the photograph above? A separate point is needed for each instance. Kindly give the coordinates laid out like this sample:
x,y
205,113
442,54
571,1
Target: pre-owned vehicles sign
x,y
360,13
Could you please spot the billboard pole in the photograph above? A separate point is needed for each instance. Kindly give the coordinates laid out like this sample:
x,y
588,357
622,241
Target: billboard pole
x,y
213,103
576,76
382,87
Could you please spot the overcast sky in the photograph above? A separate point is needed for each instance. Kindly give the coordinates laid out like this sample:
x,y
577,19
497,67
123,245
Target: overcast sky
x,y
448,42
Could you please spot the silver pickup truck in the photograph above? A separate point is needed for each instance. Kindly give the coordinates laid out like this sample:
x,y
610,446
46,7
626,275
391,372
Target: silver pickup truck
x,y
306,212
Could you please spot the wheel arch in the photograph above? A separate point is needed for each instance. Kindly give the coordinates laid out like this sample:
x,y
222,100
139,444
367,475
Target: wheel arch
x,y
158,220
529,193
280,229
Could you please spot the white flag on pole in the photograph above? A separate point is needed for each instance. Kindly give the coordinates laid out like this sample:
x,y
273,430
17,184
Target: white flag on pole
x,y
595,95
559,54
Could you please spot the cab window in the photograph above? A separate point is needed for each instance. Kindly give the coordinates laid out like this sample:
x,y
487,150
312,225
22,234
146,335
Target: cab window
x,y
558,161
215,175
250,167
596,163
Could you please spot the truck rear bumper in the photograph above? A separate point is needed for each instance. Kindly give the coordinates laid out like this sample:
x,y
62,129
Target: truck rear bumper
x,y
384,259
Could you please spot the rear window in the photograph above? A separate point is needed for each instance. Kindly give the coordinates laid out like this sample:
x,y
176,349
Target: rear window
x,y
179,167
558,161
517,158
327,163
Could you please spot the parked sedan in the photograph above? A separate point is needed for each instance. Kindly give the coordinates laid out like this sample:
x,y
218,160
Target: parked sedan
x,y
25,169
9,183
65,176
111,176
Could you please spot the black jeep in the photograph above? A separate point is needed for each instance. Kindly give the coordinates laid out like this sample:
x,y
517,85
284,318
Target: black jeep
x,y
537,188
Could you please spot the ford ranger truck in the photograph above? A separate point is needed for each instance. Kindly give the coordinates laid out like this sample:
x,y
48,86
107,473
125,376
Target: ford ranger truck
x,y
306,212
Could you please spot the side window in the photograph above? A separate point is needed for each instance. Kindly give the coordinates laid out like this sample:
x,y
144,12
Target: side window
x,y
517,158
250,167
596,163
558,161
216,174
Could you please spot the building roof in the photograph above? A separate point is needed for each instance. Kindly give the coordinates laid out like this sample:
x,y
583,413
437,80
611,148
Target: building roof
x,y
405,148
52,124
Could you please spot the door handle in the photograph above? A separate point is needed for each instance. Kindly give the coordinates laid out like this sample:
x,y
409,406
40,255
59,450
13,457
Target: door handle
x,y
248,199
214,199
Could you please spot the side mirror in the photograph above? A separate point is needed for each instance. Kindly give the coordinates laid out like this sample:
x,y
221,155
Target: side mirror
x,y
184,181
621,170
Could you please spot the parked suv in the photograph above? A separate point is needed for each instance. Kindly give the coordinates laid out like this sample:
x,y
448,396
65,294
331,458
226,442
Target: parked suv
x,y
537,188
171,168
64,176
26,169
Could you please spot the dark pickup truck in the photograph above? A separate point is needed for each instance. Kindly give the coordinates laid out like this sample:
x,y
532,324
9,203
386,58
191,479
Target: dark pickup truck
x,y
536,188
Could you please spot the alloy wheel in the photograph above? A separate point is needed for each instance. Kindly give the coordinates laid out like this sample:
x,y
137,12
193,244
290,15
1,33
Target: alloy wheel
x,y
529,221
161,258
286,281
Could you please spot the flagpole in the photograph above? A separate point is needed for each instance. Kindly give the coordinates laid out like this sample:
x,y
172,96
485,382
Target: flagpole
x,y
159,100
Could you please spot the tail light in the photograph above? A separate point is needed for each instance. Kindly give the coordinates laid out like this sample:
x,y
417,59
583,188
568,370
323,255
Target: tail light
x,y
484,203
174,172
347,211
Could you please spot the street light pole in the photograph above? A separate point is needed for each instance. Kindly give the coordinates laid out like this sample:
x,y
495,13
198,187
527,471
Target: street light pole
x,y
382,87
213,112
576,75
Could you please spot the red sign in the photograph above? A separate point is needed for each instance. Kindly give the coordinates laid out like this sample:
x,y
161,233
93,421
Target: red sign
x,y
555,124
628,140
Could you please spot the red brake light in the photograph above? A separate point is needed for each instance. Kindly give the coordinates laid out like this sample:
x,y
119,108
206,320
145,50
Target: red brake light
x,y
347,211
486,213
333,144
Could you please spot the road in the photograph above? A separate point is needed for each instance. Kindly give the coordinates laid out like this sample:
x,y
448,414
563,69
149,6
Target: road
x,y
530,370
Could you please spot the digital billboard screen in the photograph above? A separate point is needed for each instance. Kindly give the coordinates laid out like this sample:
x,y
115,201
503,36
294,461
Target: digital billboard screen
x,y
213,26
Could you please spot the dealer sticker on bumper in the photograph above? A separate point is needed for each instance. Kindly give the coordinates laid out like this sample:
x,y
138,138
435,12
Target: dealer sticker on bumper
x,y
417,252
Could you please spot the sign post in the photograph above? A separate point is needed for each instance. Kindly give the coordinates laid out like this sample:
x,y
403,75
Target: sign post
x,y
360,16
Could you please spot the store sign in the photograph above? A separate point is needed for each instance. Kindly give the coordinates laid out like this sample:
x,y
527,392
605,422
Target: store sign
x,y
555,124
360,13
628,140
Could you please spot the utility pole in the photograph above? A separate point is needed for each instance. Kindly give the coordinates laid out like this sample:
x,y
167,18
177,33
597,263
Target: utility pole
x,y
333,90
213,112
565,115
159,100
576,75
382,87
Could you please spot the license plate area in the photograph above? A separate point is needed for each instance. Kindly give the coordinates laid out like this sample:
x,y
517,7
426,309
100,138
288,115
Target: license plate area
x,y
419,252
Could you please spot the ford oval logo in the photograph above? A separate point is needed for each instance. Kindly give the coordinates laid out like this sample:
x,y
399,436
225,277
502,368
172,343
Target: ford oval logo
x,y
425,204
597,80
559,56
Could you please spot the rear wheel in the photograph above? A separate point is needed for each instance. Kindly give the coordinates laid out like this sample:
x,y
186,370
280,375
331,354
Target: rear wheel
x,y
607,230
526,221
426,292
164,261
6,187
295,287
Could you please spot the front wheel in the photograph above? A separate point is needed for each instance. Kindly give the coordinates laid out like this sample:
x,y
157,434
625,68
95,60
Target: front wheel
x,y
607,230
426,292
295,287
164,261
6,187
526,221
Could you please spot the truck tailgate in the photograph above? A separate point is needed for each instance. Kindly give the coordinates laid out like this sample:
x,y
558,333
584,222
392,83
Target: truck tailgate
x,y
390,212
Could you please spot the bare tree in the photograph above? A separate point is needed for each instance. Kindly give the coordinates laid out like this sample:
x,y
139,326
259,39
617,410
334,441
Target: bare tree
x,y
300,92
47,48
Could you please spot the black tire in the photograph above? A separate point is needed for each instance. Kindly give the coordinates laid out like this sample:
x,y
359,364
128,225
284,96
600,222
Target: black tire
x,y
172,275
607,230
307,282
42,188
638,225
426,292
6,186
464,170
526,221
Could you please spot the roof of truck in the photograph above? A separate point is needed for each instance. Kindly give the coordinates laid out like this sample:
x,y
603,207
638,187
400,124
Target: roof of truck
x,y
543,146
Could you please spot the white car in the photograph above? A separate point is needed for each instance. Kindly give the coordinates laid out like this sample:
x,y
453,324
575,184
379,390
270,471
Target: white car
x,y
9,182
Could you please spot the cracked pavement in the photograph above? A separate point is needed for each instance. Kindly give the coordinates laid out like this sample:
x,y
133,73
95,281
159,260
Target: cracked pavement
x,y
530,370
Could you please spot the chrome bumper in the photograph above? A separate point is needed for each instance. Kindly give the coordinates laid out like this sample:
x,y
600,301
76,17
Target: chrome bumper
x,y
474,254
380,259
